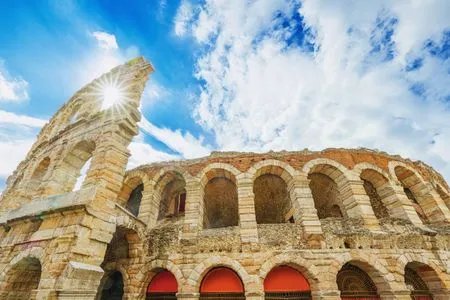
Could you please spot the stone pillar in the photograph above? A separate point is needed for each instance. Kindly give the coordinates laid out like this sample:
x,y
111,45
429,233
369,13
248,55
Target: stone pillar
x,y
357,203
442,294
396,295
305,210
79,281
398,204
433,206
193,216
188,296
247,215
254,296
326,295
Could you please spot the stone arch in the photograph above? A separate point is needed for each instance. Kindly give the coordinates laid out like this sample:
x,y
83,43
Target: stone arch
x,y
23,274
328,181
426,201
434,275
275,167
309,270
219,206
39,173
214,170
146,274
110,269
76,157
134,191
274,191
380,190
375,269
329,167
196,276
169,192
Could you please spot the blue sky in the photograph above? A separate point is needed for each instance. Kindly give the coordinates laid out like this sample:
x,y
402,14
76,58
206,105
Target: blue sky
x,y
238,75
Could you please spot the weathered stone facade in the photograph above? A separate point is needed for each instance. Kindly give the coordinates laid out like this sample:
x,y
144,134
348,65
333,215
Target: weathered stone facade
x,y
318,212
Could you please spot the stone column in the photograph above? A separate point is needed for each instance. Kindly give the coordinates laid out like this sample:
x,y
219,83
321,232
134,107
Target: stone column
x,y
193,216
247,215
396,295
357,203
79,281
305,210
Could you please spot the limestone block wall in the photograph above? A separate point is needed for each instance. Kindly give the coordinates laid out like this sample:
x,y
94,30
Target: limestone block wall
x,y
381,245
61,243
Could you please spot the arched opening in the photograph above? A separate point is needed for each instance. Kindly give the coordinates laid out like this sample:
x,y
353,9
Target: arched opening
x,y
354,283
162,286
134,201
38,174
284,282
413,188
75,166
272,200
220,203
118,247
326,196
173,196
22,279
420,279
373,183
111,287
222,283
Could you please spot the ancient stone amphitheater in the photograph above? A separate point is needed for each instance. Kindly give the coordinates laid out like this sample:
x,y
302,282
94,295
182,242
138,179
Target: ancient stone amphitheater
x,y
334,224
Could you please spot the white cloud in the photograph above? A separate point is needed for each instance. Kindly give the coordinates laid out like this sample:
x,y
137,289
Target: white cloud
x,y
102,58
12,118
13,152
344,90
185,144
154,92
143,153
105,40
17,135
12,89
183,17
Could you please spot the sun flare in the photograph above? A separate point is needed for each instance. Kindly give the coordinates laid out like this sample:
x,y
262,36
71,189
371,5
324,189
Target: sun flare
x,y
112,95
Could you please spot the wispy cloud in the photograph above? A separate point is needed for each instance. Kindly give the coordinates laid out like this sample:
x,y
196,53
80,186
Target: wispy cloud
x,y
105,40
143,153
12,88
12,118
185,144
17,135
183,17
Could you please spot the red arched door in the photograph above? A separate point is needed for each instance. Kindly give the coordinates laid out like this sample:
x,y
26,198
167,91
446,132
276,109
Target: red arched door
x,y
162,286
221,283
284,282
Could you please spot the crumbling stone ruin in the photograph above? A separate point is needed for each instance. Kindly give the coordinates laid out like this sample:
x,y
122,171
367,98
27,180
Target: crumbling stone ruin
x,y
333,224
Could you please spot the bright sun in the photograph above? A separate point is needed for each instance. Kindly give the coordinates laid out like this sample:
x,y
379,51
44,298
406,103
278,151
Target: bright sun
x,y
111,96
